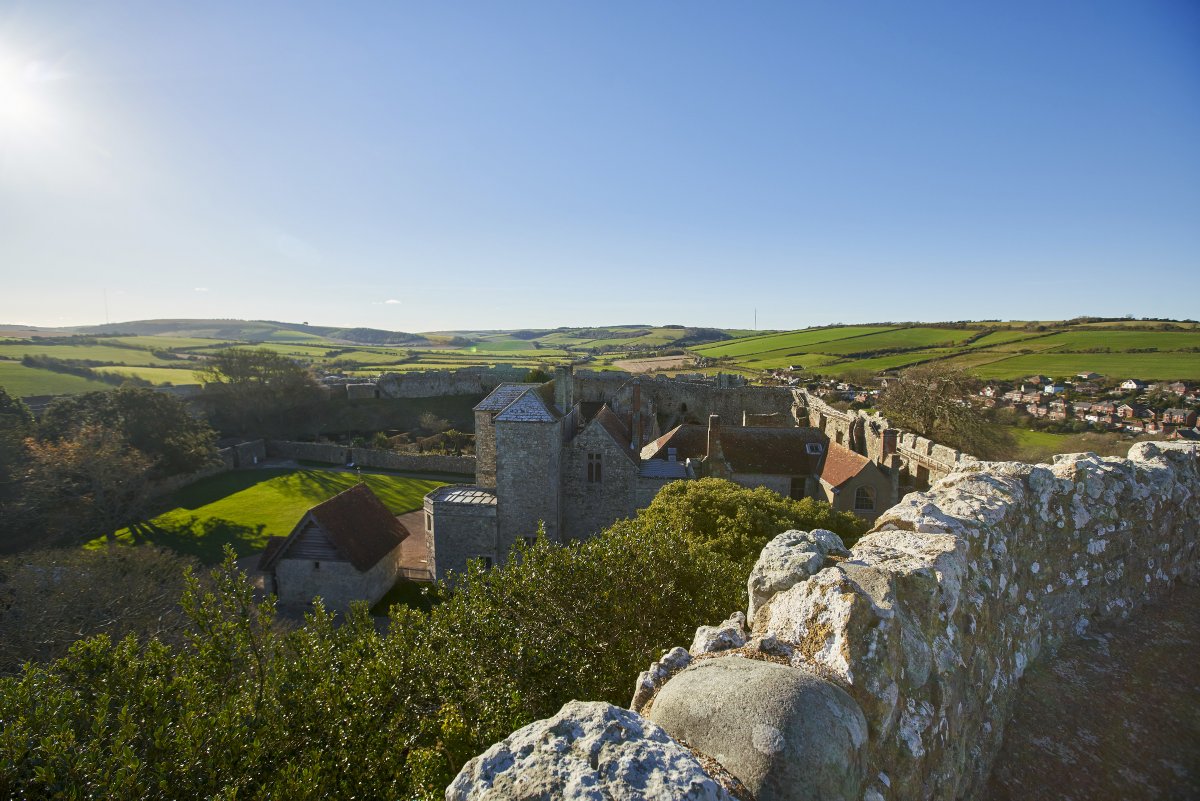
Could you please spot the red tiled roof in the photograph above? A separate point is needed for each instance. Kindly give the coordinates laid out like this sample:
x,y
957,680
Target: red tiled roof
x,y
774,451
356,522
747,449
841,465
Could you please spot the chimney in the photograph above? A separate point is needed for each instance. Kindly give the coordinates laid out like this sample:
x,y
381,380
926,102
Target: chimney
x,y
564,388
637,415
714,436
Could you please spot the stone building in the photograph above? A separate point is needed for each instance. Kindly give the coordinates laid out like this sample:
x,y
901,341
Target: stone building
x,y
572,459
345,549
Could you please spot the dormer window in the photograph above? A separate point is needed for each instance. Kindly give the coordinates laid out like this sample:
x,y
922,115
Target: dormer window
x,y
813,448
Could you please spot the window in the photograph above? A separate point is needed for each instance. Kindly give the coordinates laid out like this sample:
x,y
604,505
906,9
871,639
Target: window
x,y
530,541
864,499
594,463
429,522
316,565
487,562
813,448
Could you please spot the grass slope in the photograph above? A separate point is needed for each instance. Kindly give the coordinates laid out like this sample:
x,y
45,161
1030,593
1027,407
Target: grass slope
x,y
22,381
244,507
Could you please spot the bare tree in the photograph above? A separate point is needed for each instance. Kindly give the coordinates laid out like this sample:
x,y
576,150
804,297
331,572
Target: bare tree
x,y
940,401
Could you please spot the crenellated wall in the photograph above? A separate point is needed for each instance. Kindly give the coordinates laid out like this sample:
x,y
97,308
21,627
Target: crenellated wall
x,y
918,460
890,672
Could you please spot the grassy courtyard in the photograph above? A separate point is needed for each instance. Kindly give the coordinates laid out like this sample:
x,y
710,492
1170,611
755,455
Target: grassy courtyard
x,y
245,507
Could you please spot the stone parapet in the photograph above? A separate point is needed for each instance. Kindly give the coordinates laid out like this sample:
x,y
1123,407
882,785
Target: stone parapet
x,y
921,635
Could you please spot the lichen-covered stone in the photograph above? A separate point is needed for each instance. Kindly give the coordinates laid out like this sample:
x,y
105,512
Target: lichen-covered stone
x,y
930,621
589,750
729,634
784,733
788,559
650,680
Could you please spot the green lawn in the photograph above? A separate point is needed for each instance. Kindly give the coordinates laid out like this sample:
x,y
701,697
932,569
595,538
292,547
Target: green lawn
x,y
244,507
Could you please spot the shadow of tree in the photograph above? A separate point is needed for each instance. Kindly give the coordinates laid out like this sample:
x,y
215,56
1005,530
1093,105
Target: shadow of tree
x,y
204,538
214,488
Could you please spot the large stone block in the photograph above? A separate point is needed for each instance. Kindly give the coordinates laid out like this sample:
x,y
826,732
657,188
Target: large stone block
x,y
589,750
784,733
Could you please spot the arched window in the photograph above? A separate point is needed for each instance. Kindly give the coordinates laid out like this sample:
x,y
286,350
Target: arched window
x,y
864,499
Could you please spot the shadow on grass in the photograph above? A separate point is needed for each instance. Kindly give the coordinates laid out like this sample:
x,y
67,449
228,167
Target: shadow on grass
x,y
214,488
204,538
414,594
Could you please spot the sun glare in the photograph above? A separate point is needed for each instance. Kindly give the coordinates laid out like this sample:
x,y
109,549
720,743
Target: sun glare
x,y
24,104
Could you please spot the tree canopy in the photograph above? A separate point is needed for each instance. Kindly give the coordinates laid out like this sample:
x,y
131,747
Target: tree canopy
x,y
258,392
158,425
244,706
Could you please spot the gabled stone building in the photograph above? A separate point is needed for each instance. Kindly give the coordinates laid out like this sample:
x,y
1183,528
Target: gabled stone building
x,y
345,549
575,465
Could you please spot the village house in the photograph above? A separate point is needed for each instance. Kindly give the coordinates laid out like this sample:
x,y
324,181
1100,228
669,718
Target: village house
x,y
1179,417
345,549
1132,385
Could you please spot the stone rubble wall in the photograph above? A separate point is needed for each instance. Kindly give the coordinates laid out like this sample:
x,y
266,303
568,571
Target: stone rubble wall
x,y
890,672
437,383
371,457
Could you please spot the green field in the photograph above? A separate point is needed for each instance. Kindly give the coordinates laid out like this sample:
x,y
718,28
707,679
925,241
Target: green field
x,y
108,354
22,381
1003,354
1182,366
1125,340
244,507
794,340
159,376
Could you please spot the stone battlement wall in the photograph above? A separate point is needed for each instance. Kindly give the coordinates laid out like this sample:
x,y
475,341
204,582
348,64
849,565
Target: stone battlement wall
x,y
889,672
372,458
922,459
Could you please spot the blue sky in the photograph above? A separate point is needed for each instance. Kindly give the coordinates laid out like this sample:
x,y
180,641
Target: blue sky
x,y
423,166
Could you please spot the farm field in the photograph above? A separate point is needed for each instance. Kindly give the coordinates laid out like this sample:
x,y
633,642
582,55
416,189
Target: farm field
x,y
99,353
1002,353
159,376
1145,366
245,507
795,340
22,381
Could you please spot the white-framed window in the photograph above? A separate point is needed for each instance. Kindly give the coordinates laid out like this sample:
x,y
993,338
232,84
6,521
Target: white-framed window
x,y
429,522
864,499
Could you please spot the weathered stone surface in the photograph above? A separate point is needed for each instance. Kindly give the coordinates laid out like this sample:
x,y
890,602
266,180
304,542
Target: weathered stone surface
x,y
787,560
592,751
731,633
932,620
784,733
650,680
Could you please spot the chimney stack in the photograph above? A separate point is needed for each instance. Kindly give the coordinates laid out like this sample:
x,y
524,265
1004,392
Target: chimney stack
x,y
637,415
564,388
